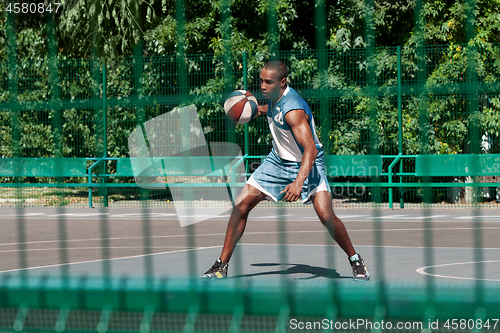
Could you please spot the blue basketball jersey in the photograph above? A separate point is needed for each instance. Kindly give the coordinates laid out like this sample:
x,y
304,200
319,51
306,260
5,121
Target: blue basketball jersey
x,y
284,143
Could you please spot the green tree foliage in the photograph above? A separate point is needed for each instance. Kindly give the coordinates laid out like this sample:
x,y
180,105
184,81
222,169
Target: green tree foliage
x,y
446,21
112,27
117,29
3,35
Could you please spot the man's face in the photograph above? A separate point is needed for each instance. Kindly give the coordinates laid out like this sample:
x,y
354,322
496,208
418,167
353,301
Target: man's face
x,y
270,84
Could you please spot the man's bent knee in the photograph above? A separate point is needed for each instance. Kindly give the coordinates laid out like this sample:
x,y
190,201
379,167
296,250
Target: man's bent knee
x,y
249,194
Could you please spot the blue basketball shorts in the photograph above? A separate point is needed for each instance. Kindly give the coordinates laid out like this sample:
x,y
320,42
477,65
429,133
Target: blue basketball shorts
x,y
274,174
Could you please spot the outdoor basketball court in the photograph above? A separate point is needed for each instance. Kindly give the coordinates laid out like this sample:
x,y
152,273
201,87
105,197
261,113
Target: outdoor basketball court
x,y
397,245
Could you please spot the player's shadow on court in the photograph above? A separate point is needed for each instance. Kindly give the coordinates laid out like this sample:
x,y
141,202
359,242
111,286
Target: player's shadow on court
x,y
314,271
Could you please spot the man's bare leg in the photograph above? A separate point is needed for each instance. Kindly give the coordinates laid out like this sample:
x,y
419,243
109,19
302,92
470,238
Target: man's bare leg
x,y
246,201
322,202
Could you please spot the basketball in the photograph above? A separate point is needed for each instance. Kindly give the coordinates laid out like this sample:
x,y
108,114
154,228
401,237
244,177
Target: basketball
x,y
241,106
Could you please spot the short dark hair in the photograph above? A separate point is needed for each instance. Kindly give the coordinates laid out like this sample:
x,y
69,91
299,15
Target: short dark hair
x,y
279,67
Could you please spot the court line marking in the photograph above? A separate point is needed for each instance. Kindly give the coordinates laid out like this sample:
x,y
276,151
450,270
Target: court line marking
x,y
477,217
388,246
92,239
270,216
246,233
423,229
81,214
100,260
349,218
387,216
422,271
406,217
92,248
219,246
423,217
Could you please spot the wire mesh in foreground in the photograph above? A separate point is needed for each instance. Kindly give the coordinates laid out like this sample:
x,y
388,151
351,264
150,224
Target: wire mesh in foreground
x,y
55,304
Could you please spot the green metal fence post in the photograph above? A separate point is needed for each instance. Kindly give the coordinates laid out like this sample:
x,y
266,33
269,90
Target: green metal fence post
x,y
473,91
272,28
57,125
245,87
183,94
147,319
21,315
322,54
424,124
62,318
393,163
104,131
400,129
15,113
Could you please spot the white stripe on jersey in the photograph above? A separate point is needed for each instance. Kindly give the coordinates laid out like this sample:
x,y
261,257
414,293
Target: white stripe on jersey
x,y
284,143
316,139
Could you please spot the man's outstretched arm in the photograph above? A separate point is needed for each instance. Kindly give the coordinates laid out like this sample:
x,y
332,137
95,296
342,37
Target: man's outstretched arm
x,y
299,123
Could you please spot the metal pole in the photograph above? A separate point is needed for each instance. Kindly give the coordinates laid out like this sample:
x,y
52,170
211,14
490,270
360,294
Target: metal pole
x,y
104,131
245,87
104,111
400,129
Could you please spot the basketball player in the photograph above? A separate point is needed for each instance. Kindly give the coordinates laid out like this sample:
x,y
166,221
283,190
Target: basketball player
x,y
293,170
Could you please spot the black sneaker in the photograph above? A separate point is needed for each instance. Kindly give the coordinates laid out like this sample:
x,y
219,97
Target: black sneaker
x,y
218,271
359,270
